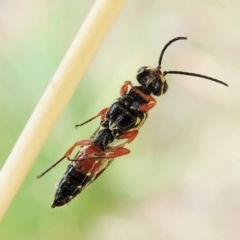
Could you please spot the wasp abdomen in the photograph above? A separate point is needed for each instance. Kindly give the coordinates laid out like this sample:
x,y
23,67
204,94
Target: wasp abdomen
x,y
70,186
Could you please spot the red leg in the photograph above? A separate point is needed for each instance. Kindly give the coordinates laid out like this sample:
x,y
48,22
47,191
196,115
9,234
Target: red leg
x,y
101,114
130,136
117,152
76,144
67,154
144,107
95,153
124,88
93,161
148,106
152,101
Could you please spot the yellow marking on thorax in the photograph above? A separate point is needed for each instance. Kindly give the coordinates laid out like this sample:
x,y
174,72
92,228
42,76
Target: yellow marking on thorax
x,y
138,120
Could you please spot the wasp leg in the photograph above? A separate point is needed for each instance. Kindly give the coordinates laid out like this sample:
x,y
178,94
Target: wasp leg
x,y
101,114
145,107
81,143
129,136
152,101
124,88
117,152
113,152
94,153
67,154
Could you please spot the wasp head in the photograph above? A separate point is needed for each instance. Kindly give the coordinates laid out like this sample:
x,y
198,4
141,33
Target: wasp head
x,y
153,80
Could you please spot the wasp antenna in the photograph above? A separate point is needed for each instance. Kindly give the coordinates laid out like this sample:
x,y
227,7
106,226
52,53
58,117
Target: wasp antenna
x,y
194,75
166,46
55,164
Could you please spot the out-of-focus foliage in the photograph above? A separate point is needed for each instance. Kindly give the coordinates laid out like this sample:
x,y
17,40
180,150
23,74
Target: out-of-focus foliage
x,y
182,179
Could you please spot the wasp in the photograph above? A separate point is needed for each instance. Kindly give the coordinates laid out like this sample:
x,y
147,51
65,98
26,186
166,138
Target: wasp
x,y
119,122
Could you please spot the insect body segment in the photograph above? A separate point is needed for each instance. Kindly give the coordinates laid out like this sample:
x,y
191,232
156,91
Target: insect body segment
x,y
119,125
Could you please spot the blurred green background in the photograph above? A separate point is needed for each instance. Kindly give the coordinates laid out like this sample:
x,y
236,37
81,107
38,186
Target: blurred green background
x,y
182,179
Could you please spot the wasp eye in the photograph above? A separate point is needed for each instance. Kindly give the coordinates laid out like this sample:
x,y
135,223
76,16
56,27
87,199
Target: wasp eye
x,y
142,73
159,87
165,87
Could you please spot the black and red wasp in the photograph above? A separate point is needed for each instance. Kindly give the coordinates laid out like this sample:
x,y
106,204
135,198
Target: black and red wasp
x,y
119,125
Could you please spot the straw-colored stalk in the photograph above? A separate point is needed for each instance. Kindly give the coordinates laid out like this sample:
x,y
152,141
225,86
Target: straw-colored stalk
x,y
55,98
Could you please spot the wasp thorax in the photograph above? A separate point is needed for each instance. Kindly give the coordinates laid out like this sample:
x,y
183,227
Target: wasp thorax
x,y
152,79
